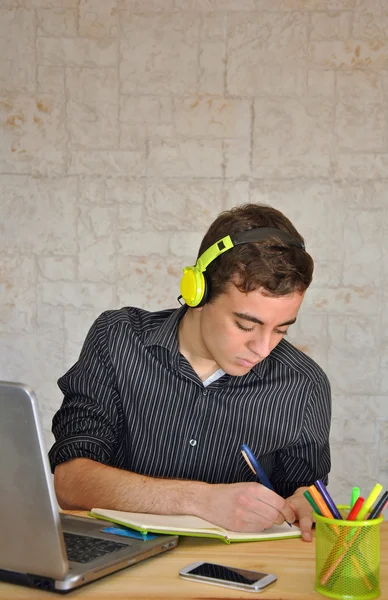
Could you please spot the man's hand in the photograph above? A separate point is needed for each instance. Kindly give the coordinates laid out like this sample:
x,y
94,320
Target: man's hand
x,y
303,512
82,483
245,507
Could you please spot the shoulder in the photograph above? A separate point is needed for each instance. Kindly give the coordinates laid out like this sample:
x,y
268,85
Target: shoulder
x,y
132,328
132,320
298,363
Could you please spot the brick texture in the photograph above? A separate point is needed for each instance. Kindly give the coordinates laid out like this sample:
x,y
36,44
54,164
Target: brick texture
x,y
126,126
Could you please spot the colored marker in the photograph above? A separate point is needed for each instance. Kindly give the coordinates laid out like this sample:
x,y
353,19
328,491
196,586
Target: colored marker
x,y
325,511
335,558
312,502
359,510
379,507
369,502
333,562
355,494
361,573
327,498
356,509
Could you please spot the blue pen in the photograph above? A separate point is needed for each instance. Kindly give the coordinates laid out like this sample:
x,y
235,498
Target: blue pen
x,y
254,464
256,467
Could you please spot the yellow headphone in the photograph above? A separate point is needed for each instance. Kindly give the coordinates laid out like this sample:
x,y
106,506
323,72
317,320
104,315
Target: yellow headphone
x,y
194,286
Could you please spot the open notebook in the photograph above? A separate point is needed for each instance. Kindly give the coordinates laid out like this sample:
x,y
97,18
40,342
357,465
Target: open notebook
x,y
191,526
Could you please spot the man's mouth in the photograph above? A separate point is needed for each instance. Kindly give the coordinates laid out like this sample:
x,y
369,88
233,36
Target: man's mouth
x,y
246,363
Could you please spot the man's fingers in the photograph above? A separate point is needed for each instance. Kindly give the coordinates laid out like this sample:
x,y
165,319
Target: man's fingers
x,y
288,513
305,524
279,510
258,522
284,515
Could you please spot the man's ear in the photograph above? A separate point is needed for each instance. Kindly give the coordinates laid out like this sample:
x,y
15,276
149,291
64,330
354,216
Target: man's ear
x,y
198,308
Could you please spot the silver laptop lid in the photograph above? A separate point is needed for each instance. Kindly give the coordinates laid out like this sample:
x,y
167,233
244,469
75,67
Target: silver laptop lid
x,y
31,536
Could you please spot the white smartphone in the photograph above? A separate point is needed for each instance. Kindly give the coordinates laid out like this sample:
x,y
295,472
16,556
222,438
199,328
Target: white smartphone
x,y
238,579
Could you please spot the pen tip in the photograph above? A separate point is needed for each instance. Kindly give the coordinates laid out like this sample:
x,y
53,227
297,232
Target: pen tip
x,y
248,461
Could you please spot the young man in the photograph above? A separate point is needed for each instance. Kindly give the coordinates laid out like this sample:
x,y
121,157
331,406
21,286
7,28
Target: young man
x,y
158,405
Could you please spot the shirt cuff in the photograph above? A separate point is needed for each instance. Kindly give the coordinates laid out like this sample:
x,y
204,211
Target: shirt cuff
x,y
80,447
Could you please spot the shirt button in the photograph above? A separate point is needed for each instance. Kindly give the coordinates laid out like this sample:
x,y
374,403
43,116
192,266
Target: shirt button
x,y
193,442
204,393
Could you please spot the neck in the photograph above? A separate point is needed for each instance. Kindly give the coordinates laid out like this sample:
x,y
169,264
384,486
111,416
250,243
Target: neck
x,y
192,347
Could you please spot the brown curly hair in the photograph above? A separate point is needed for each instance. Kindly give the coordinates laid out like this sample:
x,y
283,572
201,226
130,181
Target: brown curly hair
x,y
274,266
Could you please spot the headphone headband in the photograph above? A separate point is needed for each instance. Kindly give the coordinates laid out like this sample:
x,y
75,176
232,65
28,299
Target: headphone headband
x,y
262,233
244,237
194,289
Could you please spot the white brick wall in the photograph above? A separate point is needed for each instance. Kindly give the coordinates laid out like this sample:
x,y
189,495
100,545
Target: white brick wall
x,y
128,125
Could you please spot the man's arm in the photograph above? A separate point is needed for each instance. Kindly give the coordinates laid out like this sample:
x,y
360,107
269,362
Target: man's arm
x,y
82,483
88,429
314,454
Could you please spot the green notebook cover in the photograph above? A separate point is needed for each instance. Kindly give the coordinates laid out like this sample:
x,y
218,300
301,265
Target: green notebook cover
x,y
190,525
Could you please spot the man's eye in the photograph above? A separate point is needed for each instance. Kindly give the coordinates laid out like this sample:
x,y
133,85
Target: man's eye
x,y
243,328
281,332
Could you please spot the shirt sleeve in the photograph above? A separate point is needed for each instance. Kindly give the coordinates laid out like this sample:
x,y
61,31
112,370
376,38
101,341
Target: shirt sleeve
x,y
309,458
89,421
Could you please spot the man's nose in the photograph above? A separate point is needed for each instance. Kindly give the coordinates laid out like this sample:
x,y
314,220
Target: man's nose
x,y
261,346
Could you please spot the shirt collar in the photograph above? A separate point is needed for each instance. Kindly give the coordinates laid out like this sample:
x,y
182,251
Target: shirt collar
x,y
260,369
167,336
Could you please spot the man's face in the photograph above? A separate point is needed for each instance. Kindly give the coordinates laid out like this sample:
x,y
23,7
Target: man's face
x,y
239,330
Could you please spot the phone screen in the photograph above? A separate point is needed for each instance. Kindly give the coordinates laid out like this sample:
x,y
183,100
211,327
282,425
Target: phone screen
x,y
227,573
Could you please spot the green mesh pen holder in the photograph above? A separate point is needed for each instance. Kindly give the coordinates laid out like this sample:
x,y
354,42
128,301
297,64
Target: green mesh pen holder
x,y
347,557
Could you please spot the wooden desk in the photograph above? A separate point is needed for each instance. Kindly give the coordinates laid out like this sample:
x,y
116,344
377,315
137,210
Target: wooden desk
x,y
293,561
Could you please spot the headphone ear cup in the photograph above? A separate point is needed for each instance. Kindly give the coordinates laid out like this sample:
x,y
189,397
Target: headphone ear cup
x,y
206,289
192,286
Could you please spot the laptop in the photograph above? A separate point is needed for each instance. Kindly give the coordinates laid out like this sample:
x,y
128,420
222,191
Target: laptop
x,y
40,547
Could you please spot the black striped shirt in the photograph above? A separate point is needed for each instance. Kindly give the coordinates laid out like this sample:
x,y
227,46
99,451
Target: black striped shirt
x,y
134,402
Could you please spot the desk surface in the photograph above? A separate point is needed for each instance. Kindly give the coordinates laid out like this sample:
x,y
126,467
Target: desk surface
x,y
292,560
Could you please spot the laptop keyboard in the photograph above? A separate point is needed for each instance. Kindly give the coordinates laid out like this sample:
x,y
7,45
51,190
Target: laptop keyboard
x,y
84,549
